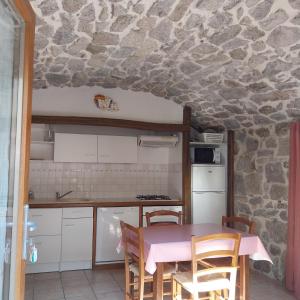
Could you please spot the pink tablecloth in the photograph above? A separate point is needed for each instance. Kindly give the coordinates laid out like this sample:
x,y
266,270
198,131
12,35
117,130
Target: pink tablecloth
x,y
173,243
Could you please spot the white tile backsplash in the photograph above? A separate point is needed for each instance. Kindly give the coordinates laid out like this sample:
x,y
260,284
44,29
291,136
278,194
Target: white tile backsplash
x,y
99,180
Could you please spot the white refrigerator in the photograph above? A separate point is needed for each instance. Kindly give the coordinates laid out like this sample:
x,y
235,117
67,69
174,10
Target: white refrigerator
x,y
208,193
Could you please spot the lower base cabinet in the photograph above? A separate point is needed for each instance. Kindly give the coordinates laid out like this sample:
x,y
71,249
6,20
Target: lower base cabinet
x,y
77,239
47,239
63,239
49,249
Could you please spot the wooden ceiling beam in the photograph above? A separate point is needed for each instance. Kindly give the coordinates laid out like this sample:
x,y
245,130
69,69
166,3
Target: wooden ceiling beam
x,y
120,123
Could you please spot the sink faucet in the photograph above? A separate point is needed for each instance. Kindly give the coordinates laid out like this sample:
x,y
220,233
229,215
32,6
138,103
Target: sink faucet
x,y
59,196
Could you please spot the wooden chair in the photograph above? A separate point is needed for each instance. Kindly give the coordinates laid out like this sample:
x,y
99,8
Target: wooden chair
x,y
250,225
135,274
211,281
167,213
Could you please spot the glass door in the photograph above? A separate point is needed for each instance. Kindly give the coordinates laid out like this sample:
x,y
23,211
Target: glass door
x,y
11,87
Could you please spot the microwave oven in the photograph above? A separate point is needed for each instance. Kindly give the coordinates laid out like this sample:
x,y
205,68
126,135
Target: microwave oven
x,y
204,155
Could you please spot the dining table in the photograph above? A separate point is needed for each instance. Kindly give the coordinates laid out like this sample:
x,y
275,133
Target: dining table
x,y
172,243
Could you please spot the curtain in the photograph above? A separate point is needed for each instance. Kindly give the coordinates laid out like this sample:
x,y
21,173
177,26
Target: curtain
x,y
293,247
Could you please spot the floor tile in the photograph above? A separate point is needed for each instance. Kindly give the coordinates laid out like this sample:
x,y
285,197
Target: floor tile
x,y
111,296
28,294
261,285
45,276
92,297
84,291
48,294
47,284
98,276
105,287
73,275
109,284
73,279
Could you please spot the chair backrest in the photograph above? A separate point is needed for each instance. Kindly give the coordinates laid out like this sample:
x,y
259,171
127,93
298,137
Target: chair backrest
x,y
212,246
133,243
226,221
215,246
161,213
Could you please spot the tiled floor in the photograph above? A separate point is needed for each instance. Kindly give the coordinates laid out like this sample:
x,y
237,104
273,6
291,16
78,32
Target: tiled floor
x,y
108,285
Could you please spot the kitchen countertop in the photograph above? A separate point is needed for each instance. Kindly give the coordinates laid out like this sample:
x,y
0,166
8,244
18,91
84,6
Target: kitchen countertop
x,y
101,202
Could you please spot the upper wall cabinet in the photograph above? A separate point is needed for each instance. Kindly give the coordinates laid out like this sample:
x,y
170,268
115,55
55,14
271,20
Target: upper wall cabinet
x,y
75,148
117,149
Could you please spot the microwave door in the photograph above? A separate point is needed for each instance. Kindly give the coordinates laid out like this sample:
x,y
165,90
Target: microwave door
x,y
204,156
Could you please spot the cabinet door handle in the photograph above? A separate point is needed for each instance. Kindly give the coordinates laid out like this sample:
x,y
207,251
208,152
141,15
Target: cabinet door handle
x,y
34,216
118,213
69,225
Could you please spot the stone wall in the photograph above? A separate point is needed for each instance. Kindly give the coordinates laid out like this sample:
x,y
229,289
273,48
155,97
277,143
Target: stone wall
x,y
261,189
235,62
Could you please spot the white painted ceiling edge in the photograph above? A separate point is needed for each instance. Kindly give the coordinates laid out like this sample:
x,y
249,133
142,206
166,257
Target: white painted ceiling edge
x,y
138,106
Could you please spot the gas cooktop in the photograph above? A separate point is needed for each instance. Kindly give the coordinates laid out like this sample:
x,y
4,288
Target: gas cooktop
x,y
153,197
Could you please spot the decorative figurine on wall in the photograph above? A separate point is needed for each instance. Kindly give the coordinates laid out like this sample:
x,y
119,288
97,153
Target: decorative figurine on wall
x,y
105,103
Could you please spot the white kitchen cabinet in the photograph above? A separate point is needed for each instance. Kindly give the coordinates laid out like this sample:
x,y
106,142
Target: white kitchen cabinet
x,y
49,248
117,149
109,231
47,238
75,148
77,238
47,220
63,238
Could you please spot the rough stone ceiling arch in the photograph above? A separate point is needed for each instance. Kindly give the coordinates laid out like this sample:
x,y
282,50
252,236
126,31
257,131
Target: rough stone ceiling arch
x,y
235,62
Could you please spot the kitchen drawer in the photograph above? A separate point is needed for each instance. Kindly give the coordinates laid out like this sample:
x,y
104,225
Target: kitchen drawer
x,y
47,220
77,212
49,248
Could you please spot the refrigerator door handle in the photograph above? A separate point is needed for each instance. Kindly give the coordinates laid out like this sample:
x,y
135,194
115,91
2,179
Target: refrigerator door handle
x,y
204,192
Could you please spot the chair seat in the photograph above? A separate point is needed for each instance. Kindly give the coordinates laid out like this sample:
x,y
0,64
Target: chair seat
x,y
169,270
210,282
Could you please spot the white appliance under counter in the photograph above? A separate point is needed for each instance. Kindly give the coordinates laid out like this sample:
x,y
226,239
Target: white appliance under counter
x,y
109,231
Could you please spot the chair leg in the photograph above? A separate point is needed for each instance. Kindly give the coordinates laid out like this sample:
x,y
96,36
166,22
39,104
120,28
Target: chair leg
x,y
128,281
141,288
225,293
195,296
174,289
